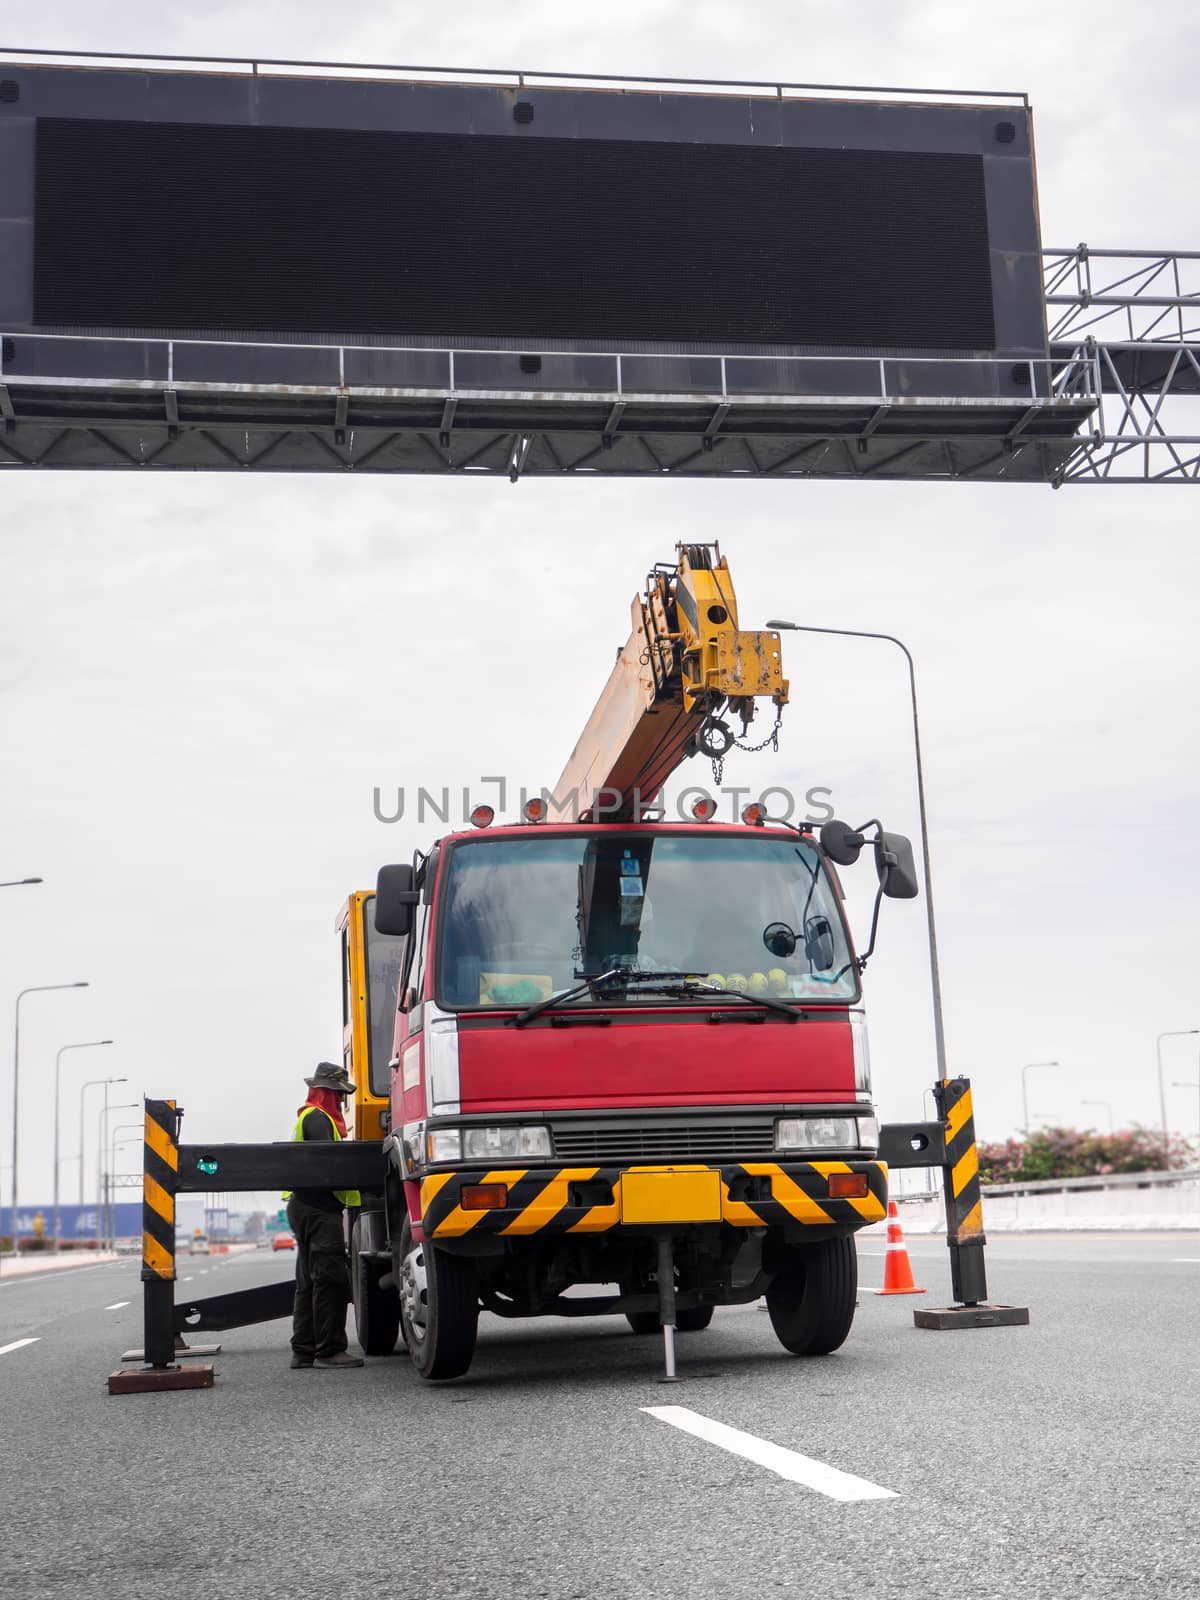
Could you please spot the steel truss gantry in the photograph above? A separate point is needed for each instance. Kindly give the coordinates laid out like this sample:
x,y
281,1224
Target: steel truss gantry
x,y
1118,400
1132,319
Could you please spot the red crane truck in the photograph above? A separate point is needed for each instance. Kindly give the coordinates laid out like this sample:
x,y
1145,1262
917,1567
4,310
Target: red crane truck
x,y
629,1053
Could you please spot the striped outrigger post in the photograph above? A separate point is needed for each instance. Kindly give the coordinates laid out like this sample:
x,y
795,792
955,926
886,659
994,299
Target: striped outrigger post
x,y
160,1181
960,1186
962,1161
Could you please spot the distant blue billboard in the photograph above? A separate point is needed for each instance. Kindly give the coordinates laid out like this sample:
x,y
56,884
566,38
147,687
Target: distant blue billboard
x,y
74,1221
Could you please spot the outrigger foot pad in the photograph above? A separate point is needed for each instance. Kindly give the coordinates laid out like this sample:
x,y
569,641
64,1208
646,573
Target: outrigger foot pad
x,y
146,1379
945,1318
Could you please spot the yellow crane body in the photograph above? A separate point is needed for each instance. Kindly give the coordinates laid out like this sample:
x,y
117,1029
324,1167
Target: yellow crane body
x,y
685,663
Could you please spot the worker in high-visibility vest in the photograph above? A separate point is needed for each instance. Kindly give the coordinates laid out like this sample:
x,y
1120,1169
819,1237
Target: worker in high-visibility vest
x,y
315,1215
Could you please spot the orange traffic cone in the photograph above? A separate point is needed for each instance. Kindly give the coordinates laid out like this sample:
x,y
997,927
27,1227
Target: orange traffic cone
x,y
897,1273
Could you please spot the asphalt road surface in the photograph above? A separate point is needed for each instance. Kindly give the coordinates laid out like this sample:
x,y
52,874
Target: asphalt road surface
x,y
1048,1462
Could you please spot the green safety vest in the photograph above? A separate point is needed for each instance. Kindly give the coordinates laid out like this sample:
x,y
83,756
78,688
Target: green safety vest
x,y
348,1197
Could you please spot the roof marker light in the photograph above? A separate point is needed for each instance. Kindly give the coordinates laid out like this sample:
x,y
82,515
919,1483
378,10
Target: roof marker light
x,y
754,815
482,817
535,810
705,809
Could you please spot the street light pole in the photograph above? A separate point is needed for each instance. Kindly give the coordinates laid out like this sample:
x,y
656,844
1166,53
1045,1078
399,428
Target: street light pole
x,y
90,1084
37,988
1173,1033
17,883
935,981
101,1175
114,1140
87,1044
1025,1089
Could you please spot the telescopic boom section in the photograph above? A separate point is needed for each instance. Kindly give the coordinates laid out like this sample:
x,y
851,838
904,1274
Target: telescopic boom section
x,y
685,663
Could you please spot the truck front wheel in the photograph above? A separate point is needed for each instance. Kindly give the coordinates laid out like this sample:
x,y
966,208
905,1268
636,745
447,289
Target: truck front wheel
x,y
811,1301
439,1307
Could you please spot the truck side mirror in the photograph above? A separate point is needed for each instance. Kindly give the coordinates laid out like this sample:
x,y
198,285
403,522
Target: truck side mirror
x,y
841,843
395,898
895,866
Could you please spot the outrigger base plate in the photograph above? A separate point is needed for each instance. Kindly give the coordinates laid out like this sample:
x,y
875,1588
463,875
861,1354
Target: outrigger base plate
x,y
143,1379
945,1318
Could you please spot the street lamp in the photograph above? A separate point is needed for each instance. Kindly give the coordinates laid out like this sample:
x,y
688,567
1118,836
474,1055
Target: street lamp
x,y
16,883
1025,1088
1174,1033
101,1175
939,1035
37,988
90,1084
1106,1106
114,1141
87,1044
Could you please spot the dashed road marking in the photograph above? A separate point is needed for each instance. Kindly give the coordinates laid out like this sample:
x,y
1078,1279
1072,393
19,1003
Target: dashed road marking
x,y
17,1344
1185,1261
789,1464
116,1305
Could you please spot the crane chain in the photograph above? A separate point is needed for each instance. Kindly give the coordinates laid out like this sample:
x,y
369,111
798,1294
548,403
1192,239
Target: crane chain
x,y
772,739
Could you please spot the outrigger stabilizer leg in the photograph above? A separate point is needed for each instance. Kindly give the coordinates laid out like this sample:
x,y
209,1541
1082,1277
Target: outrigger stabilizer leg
x,y
950,1145
160,1369
666,1305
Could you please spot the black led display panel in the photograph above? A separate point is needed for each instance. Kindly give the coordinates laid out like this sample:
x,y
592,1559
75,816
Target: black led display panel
x,y
335,231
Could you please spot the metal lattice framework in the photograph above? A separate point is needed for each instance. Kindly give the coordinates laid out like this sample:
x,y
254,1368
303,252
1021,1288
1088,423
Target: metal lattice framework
x,y
1133,318
448,411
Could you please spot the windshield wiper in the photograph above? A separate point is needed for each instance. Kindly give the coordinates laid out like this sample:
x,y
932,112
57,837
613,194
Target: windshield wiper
x,y
696,988
594,983
691,986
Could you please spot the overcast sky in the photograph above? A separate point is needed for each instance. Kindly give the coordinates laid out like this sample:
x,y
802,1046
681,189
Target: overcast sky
x,y
202,679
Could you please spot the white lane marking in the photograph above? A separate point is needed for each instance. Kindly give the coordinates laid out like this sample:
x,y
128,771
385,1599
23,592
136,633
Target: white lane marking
x,y
188,1279
116,1305
17,1344
789,1464
1185,1261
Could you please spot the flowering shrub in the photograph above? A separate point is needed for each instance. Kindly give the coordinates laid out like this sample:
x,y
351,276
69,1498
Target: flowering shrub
x,y
1075,1153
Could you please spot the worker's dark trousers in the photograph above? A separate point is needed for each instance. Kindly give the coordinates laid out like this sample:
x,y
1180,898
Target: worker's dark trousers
x,y
322,1280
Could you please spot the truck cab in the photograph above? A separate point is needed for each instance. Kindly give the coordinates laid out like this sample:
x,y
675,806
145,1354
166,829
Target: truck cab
x,y
611,1037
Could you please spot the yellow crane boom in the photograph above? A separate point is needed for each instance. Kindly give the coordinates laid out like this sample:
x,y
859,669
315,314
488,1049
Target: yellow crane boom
x,y
685,663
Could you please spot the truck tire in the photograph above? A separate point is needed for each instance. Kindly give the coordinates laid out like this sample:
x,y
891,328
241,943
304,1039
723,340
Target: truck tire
x,y
439,1307
693,1320
376,1310
811,1301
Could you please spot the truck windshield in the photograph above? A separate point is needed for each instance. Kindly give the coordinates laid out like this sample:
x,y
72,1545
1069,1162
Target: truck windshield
x,y
523,918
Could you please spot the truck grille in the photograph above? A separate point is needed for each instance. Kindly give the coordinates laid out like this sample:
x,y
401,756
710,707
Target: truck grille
x,y
662,1141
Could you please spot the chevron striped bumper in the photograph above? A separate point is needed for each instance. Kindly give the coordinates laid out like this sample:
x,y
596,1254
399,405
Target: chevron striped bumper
x,y
596,1199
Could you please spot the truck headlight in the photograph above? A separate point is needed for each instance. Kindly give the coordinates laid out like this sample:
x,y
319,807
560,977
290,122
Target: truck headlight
x,y
444,1144
507,1141
820,1133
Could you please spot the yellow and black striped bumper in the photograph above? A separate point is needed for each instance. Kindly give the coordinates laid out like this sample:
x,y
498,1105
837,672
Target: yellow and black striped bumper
x,y
596,1199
